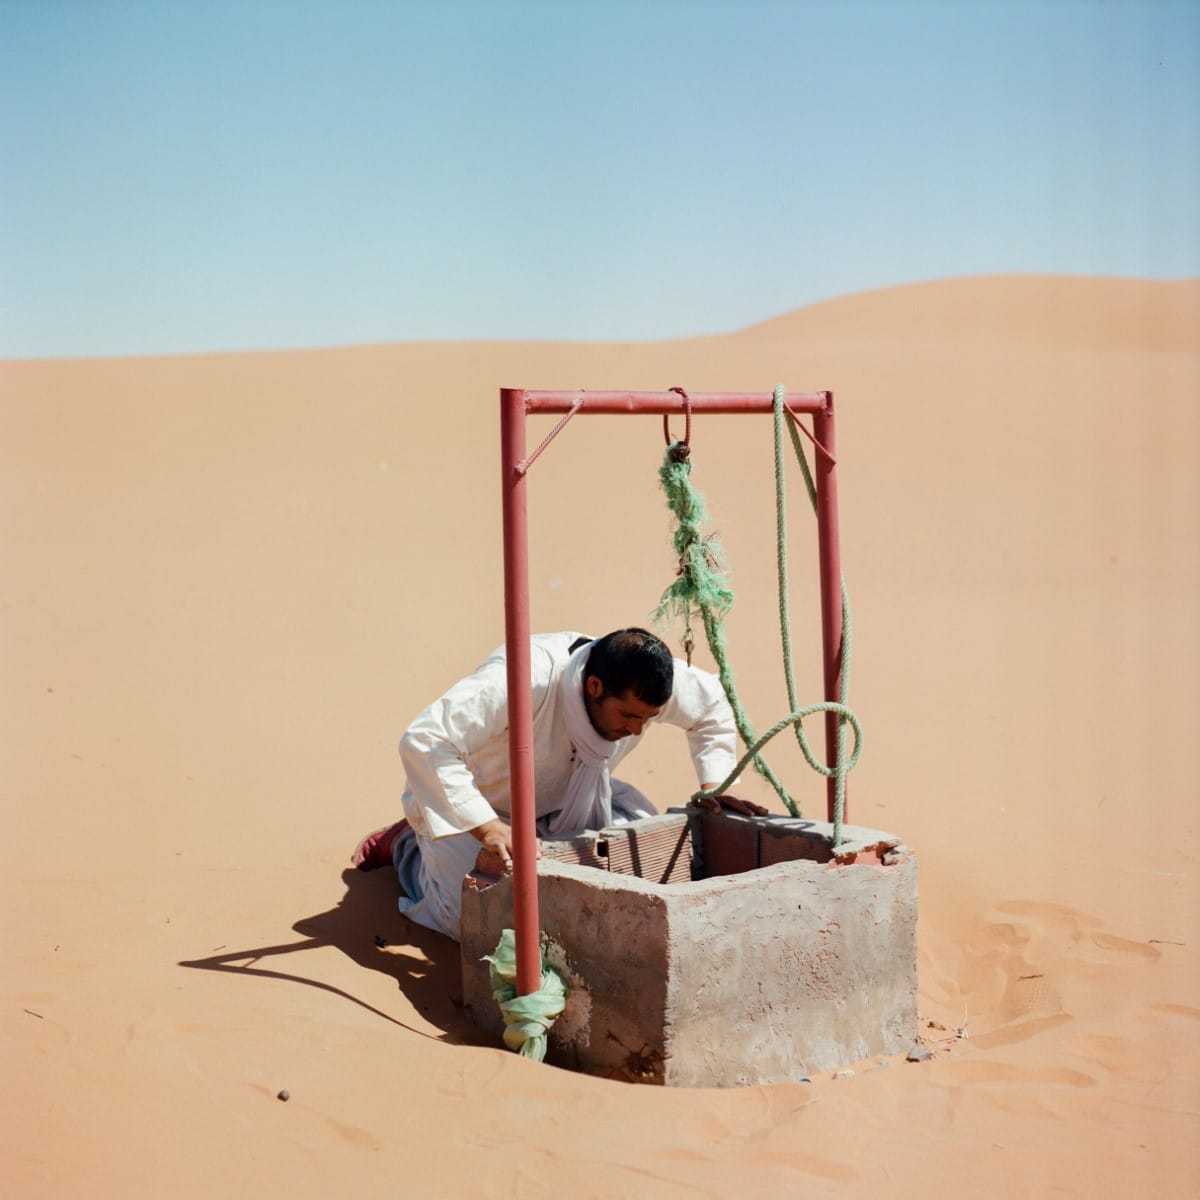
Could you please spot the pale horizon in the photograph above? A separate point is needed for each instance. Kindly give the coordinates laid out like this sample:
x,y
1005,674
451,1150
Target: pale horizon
x,y
178,180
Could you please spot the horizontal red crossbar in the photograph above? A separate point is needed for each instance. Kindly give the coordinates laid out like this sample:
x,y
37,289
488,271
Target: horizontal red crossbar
x,y
665,402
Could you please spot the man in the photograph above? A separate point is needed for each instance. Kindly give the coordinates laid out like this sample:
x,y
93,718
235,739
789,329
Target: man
x,y
592,701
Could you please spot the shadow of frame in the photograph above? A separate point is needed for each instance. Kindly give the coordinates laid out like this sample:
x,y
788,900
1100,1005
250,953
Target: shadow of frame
x,y
367,927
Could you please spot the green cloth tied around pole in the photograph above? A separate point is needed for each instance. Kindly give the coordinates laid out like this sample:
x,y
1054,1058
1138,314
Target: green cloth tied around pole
x,y
527,1019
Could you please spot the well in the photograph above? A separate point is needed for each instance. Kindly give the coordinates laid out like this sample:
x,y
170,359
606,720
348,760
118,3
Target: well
x,y
713,950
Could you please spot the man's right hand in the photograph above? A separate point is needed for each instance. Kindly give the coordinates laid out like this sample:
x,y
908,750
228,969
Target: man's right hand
x,y
495,836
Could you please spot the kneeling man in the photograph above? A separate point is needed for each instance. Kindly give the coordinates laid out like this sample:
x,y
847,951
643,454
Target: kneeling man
x,y
592,701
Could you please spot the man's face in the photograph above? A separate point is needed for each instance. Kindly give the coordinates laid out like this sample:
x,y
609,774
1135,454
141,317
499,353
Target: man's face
x,y
615,717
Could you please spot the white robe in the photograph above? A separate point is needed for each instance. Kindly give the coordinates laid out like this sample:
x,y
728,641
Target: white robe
x,y
456,757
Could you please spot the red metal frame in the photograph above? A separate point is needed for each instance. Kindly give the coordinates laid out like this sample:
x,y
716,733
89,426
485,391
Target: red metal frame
x,y
515,405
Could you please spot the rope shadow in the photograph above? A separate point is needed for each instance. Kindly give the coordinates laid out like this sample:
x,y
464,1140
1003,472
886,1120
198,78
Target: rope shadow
x,y
366,926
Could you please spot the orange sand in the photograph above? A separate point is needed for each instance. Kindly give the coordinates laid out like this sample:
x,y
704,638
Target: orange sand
x,y
229,581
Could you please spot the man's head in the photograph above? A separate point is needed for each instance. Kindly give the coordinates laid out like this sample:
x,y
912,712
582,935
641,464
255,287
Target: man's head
x,y
626,681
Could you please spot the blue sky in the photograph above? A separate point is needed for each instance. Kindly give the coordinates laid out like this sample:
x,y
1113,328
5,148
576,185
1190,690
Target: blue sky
x,y
188,176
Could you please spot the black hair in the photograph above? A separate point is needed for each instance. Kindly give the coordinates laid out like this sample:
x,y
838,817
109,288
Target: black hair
x,y
633,660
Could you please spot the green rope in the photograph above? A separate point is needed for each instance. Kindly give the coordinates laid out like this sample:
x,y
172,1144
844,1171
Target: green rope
x,y
795,720
785,629
841,767
847,642
701,585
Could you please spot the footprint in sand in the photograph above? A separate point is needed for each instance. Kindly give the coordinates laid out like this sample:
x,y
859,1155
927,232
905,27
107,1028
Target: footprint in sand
x,y
1046,910
982,1070
1020,1031
354,1134
1120,945
1030,993
1119,1056
1081,929
1016,979
1177,1010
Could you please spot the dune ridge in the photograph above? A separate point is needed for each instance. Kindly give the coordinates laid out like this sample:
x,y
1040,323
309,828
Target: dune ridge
x,y
1062,311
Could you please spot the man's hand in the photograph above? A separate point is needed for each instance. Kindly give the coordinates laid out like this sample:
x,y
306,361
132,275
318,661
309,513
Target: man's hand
x,y
733,803
496,838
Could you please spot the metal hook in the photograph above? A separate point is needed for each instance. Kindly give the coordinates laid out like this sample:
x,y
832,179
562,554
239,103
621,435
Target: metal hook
x,y
680,451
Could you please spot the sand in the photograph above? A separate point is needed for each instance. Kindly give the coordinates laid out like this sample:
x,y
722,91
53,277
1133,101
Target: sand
x,y
230,580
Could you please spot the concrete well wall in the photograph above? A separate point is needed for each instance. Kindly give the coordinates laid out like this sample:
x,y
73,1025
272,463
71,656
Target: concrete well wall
x,y
765,974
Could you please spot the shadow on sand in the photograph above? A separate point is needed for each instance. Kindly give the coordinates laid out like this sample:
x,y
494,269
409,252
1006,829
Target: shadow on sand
x,y
366,926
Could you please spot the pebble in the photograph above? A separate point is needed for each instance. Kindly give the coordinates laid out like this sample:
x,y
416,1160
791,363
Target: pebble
x,y
284,1095
920,1053
843,1074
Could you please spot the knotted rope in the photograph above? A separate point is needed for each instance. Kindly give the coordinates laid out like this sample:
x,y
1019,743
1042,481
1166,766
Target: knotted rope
x,y
701,585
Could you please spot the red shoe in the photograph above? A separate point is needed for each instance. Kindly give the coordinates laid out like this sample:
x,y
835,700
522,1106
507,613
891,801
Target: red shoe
x,y
375,850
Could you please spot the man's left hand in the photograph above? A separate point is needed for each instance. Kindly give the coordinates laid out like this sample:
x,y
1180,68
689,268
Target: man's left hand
x,y
736,804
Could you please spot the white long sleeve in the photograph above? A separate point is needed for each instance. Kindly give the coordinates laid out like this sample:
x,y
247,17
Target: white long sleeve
x,y
437,746
699,707
456,751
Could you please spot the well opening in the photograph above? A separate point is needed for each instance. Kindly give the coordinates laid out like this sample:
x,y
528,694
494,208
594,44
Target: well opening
x,y
693,843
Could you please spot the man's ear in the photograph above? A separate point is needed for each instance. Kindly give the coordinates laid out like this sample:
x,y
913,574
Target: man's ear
x,y
594,687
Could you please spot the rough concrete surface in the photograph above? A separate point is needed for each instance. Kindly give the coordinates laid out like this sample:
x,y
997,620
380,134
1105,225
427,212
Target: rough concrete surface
x,y
770,974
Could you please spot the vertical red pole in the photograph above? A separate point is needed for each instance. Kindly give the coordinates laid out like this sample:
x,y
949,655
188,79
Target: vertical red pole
x,y
520,703
831,581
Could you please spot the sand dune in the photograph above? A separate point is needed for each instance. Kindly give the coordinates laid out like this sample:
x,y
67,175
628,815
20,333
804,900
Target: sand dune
x,y
230,580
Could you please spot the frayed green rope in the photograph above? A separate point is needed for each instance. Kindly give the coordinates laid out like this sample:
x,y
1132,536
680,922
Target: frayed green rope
x,y
701,586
